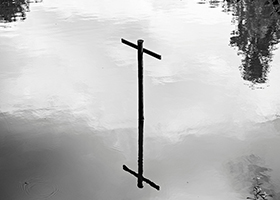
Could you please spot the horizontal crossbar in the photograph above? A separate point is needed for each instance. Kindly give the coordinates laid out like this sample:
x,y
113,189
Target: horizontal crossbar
x,y
125,168
144,50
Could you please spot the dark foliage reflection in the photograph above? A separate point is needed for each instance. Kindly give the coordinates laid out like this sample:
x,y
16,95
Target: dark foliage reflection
x,y
256,35
248,174
14,10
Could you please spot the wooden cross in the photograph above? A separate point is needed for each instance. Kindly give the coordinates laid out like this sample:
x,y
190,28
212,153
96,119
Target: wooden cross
x,y
139,175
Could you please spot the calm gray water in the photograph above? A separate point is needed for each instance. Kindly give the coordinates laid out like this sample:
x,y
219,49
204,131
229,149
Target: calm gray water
x,y
68,99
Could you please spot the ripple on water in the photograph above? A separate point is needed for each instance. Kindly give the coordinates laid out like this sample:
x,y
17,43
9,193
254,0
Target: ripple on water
x,y
39,188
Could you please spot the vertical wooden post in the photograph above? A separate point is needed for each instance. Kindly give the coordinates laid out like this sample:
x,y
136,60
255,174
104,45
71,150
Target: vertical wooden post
x,y
140,51
140,114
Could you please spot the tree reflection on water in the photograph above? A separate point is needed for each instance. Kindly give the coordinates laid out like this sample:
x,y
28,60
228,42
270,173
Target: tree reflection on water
x,y
249,174
14,10
256,35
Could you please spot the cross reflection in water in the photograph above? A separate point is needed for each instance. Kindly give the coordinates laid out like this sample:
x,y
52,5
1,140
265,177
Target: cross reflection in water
x,y
139,175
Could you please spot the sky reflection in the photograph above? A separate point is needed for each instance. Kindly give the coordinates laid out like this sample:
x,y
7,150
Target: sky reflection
x,y
68,90
89,71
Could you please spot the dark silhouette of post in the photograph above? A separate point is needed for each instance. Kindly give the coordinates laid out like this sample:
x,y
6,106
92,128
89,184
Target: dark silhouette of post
x,y
140,113
140,52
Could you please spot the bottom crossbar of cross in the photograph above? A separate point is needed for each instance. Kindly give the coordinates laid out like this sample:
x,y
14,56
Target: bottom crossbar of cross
x,y
152,184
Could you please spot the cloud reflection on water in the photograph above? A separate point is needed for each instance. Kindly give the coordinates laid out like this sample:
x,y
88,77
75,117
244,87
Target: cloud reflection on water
x,y
80,162
69,104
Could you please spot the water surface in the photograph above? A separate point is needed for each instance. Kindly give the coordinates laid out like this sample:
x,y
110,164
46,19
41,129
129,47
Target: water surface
x,y
68,92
